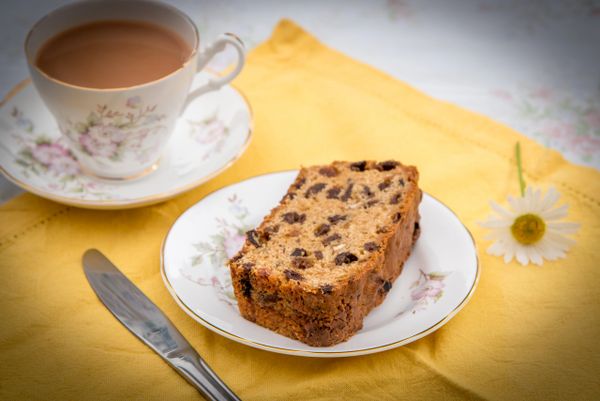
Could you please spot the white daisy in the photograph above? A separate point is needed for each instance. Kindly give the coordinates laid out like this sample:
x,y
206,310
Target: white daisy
x,y
529,229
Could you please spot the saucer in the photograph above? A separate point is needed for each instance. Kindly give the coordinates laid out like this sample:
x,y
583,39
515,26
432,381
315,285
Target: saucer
x,y
437,280
211,134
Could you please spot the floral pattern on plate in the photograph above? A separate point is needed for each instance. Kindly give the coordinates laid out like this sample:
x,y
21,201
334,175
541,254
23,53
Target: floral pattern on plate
x,y
212,255
427,289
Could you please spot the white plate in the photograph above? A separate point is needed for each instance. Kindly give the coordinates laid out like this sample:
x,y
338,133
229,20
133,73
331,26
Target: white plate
x,y
213,132
437,281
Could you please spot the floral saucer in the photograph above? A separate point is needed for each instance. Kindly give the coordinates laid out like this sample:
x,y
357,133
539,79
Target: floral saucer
x,y
437,280
211,134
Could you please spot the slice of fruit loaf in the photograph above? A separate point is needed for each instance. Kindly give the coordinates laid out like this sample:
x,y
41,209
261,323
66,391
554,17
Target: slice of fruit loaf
x,y
330,251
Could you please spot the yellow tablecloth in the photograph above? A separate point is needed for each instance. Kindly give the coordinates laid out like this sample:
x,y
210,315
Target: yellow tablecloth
x,y
528,333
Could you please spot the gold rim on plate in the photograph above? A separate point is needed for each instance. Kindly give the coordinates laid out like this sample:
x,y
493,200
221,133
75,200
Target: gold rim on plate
x,y
322,354
137,202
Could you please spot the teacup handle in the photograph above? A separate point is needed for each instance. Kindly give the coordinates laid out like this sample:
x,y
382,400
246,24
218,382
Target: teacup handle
x,y
207,54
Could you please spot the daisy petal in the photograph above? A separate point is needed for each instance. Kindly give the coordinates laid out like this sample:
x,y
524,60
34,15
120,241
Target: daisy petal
x,y
494,235
563,227
501,211
550,199
496,249
558,241
522,256
536,201
516,204
535,256
496,223
529,200
548,252
508,239
554,214
509,254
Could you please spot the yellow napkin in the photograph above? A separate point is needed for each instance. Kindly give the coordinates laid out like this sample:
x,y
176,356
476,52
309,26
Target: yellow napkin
x,y
528,333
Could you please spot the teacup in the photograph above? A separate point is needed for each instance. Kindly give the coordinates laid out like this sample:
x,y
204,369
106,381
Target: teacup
x,y
120,133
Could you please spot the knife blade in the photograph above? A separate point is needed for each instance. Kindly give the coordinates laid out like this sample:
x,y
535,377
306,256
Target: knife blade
x,y
143,318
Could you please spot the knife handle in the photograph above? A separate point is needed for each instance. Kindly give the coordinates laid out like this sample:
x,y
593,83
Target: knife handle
x,y
197,372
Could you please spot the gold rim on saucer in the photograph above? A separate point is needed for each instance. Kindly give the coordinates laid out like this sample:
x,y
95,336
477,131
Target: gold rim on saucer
x,y
133,177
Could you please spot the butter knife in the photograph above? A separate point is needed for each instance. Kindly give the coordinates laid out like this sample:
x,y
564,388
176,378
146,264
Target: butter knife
x,y
136,312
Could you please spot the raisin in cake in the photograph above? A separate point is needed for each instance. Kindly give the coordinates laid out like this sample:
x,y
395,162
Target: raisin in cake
x,y
330,251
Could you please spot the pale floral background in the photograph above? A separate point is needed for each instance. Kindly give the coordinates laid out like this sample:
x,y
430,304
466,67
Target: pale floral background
x,y
531,64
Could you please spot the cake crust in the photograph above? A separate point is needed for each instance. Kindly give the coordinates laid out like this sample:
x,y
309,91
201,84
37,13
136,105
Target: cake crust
x,y
330,251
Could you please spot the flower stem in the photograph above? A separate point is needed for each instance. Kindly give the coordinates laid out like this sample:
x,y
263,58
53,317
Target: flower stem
x,y
520,168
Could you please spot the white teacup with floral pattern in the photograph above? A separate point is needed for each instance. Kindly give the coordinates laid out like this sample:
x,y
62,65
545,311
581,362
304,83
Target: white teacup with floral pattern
x,y
121,133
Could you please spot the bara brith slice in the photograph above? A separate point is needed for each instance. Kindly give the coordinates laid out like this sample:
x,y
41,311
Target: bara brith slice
x,y
330,251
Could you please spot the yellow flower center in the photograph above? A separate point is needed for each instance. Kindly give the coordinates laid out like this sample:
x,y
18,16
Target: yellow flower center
x,y
528,229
